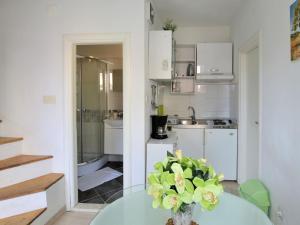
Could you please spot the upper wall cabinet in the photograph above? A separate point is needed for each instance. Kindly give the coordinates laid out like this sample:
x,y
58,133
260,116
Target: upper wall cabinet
x,y
160,55
214,59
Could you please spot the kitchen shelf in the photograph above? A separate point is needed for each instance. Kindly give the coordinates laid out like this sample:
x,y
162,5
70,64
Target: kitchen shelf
x,y
183,77
186,61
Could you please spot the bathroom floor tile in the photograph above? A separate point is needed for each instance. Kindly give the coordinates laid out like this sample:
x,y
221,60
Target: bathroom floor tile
x,y
85,195
109,197
96,200
108,187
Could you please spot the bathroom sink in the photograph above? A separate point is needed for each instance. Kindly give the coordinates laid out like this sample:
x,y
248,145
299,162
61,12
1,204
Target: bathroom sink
x,y
114,123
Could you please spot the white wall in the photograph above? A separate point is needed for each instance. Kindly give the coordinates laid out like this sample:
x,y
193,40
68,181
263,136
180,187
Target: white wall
x,y
192,35
32,66
280,101
210,101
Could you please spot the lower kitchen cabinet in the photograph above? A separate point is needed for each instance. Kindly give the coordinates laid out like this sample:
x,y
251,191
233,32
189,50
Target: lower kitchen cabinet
x,y
157,151
221,151
191,142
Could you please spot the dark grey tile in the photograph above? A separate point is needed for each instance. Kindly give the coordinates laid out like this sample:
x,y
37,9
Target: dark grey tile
x,y
85,195
114,165
120,179
109,197
120,169
108,187
95,200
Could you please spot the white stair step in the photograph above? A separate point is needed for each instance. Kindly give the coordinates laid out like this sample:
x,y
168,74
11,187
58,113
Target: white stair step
x,y
43,192
23,167
10,147
23,204
55,203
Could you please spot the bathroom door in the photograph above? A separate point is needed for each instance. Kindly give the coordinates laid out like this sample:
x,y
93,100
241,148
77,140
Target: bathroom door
x,y
91,103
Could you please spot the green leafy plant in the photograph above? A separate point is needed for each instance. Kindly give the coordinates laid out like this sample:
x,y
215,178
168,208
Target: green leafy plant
x,y
169,25
179,181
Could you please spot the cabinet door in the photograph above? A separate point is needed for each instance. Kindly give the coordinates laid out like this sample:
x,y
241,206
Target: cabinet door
x,y
113,141
190,141
157,153
221,151
214,58
160,55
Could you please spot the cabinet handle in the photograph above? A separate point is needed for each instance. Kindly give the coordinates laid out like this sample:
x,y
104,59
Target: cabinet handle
x,y
214,70
231,134
165,64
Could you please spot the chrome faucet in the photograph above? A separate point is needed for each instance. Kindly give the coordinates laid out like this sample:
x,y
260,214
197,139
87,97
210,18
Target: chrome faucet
x,y
193,115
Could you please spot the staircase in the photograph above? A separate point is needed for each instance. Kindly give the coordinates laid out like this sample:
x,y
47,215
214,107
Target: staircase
x,y
30,193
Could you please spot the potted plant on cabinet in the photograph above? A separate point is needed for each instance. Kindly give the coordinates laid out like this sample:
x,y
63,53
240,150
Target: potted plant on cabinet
x,y
179,183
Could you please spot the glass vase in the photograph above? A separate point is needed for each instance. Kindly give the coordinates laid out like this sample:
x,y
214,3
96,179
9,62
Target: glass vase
x,y
184,215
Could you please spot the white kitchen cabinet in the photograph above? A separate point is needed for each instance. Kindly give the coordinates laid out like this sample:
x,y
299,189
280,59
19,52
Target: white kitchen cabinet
x,y
221,151
157,150
160,55
214,58
191,142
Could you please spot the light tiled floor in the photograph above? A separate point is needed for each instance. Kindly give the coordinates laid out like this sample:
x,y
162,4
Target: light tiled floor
x,y
75,218
84,218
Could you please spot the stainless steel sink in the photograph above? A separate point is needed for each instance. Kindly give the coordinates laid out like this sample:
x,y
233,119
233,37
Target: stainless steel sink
x,y
186,122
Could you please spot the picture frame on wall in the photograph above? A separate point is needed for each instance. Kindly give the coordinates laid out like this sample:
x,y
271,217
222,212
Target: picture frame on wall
x,y
295,30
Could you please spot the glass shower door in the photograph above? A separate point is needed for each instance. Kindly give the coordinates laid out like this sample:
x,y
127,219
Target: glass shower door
x,y
91,103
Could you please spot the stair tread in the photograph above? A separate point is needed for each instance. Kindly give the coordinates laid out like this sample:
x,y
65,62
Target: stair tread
x,y
22,219
21,160
32,186
6,140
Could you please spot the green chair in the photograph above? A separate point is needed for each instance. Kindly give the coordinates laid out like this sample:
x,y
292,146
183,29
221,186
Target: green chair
x,y
256,192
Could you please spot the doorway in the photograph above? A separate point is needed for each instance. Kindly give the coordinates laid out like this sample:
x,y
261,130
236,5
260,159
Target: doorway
x,y
250,109
99,117
75,155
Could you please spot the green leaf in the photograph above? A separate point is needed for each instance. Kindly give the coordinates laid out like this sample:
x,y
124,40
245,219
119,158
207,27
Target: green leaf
x,y
153,179
156,203
198,182
171,192
186,197
176,168
165,162
211,171
188,173
159,167
189,186
167,178
169,154
197,197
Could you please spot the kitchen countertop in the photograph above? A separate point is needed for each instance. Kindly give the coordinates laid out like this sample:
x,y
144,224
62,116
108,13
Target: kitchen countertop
x,y
172,139
201,126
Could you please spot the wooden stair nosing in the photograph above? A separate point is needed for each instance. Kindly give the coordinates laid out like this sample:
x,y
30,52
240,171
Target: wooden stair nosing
x,y
7,140
31,186
22,219
20,160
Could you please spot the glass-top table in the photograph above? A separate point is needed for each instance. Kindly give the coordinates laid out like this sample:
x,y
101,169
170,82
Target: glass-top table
x,y
135,208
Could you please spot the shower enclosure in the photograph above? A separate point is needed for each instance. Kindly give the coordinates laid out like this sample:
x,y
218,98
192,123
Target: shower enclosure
x,y
91,107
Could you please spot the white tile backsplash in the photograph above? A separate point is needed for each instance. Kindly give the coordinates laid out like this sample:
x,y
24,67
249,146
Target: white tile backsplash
x,y
209,101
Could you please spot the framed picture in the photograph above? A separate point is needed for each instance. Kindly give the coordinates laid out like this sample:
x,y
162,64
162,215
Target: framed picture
x,y
295,30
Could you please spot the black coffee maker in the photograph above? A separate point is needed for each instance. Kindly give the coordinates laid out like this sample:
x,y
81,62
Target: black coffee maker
x,y
159,130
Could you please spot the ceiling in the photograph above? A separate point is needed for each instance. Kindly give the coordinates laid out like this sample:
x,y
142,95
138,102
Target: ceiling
x,y
190,13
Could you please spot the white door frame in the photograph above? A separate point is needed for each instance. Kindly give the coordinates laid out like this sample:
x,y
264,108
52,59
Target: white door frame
x,y
70,133
252,43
